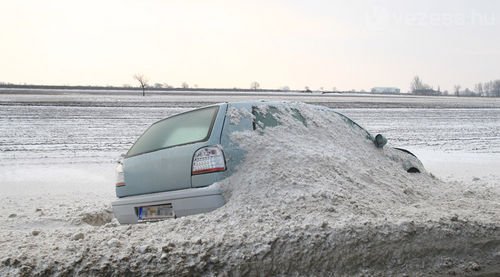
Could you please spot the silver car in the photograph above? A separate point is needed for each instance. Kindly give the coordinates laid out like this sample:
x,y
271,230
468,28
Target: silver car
x,y
172,170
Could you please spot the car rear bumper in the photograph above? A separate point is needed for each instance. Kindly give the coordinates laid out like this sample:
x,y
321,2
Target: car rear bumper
x,y
184,202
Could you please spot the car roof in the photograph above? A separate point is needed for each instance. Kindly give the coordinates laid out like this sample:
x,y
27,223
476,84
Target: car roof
x,y
249,103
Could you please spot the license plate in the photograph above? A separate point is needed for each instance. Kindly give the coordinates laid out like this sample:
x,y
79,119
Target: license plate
x,y
157,212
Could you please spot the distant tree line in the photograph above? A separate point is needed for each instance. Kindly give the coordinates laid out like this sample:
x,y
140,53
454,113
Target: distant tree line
x,y
491,88
157,87
487,89
417,86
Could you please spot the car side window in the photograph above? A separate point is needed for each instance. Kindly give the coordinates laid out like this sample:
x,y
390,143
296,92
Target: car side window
x,y
297,115
269,116
265,117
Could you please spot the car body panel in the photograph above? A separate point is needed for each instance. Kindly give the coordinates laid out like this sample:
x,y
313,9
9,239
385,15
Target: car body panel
x,y
184,202
408,160
152,172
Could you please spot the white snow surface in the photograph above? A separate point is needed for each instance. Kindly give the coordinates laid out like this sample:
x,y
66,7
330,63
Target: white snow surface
x,y
319,199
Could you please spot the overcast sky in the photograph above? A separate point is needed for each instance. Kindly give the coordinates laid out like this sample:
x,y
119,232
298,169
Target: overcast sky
x,y
342,44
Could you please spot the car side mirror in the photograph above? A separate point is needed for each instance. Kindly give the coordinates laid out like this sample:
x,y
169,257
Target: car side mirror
x,y
380,141
120,160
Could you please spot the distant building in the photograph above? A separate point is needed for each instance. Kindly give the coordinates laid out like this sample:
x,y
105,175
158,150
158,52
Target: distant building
x,y
386,90
426,92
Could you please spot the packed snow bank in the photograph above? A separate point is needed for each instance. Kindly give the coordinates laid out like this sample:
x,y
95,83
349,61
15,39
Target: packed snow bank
x,y
325,166
53,196
313,199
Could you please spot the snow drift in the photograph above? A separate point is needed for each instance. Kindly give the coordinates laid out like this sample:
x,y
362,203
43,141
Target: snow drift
x,y
314,199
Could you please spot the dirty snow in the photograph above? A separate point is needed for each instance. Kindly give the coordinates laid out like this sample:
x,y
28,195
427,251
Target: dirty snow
x,y
306,201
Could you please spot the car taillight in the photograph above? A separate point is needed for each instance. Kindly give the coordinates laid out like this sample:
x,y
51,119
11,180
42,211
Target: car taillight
x,y
120,180
208,159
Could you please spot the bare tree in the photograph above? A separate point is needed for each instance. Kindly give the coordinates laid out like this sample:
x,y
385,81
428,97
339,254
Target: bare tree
x,y
478,88
417,84
487,88
457,89
254,85
496,88
143,81
185,85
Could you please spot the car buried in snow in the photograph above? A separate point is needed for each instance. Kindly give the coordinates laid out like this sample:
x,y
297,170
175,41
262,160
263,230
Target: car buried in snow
x,y
173,168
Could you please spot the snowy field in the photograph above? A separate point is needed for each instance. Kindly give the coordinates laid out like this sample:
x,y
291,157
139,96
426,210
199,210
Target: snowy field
x,y
58,152
70,128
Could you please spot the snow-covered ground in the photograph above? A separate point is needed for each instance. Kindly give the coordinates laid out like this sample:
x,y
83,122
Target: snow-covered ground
x,y
328,211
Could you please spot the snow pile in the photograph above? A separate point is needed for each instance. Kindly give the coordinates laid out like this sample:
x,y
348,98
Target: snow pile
x,y
313,198
325,167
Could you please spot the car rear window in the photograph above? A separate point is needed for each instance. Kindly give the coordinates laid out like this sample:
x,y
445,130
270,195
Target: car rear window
x,y
185,128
